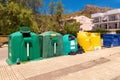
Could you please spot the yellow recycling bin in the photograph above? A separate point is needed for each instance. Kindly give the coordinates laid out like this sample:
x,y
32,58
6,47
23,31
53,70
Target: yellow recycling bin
x,y
89,41
84,41
95,40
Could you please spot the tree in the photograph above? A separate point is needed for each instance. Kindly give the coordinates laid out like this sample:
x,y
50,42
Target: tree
x,y
51,7
71,28
47,23
12,16
3,1
34,5
59,11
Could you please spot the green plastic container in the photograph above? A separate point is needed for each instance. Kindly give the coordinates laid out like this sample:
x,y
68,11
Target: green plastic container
x,y
70,44
23,47
51,44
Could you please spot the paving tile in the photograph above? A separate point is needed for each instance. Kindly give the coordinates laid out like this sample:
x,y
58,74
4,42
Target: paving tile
x,y
32,69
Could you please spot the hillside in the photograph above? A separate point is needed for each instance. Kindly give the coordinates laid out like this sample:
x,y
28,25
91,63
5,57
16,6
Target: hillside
x,y
87,11
90,9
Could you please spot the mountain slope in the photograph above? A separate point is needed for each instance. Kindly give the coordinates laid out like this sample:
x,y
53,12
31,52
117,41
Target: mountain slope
x,y
91,9
87,11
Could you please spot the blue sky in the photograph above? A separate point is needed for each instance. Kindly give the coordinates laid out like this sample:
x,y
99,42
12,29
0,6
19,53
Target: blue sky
x,y
75,5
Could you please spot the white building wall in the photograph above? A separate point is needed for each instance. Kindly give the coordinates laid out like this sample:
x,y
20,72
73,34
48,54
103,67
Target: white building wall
x,y
109,19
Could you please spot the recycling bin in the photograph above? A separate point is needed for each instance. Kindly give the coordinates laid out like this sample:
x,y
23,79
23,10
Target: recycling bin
x,y
70,44
23,46
51,44
84,41
89,41
111,40
95,40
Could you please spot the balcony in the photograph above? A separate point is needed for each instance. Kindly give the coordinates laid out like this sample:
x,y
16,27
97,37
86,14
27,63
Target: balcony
x,y
104,20
114,19
96,21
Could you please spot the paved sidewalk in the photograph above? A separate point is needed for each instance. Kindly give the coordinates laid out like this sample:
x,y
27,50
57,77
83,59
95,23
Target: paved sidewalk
x,y
105,71
98,65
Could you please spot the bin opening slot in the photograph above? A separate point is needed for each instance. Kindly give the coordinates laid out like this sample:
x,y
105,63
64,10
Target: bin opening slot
x,y
71,37
26,35
54,40
115,36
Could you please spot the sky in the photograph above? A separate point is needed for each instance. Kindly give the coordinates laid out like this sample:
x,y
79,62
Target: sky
x,y
75,5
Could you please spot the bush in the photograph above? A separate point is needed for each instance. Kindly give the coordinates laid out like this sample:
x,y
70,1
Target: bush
x,y
99,30
71,28
118,31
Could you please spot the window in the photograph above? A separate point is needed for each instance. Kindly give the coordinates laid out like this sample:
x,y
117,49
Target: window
x,y
96,20
113,18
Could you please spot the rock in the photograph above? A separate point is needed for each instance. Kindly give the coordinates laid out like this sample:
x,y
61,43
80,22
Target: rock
x,y
91,9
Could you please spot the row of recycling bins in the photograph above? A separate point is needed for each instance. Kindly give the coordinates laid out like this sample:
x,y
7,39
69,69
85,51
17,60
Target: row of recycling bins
x,y
25,45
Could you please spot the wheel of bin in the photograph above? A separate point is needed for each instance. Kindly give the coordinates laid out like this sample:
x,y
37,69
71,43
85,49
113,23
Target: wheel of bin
x,y
72,53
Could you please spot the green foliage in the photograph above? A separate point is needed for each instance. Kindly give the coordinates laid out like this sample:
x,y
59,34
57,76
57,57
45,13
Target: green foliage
x,y
34,5
52,7
71,28
99,30
45,23
118,31
59,11
12,16
0,1
23,13
59,8
86,14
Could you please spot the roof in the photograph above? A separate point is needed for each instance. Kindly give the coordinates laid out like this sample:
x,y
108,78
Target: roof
x,y
114,11
97,15
110,12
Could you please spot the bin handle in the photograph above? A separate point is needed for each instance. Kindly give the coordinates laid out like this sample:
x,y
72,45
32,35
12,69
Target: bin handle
x,y
28,48
55,45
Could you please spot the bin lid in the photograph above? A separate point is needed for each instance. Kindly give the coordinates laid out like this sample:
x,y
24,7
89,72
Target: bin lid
x,y
50,33
24,29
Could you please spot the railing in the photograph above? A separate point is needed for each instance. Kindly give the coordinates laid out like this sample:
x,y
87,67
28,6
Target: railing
x,y
104,20
96,21
113,19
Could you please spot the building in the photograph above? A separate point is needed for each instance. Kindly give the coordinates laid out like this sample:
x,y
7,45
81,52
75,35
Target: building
x,y
109,20
69,20
86,23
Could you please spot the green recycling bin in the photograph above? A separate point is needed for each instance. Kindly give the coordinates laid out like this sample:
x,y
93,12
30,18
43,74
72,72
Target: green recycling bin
x,y
70,44
23,46
51,44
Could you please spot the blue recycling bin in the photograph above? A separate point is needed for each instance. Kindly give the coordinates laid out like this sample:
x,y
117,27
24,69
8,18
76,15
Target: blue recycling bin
x,y
111,40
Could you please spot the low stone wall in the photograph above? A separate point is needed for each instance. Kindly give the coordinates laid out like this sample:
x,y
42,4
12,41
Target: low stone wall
x,y
3,39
